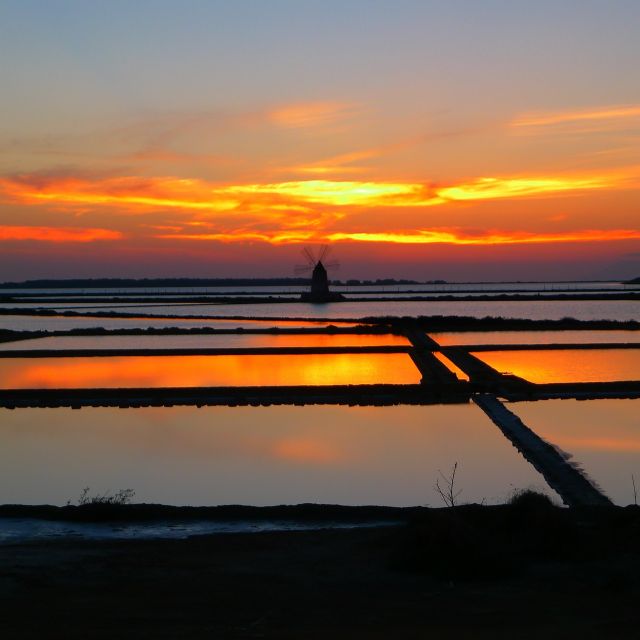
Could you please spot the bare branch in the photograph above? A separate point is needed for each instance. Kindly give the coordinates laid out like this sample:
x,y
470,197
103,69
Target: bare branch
x,y
448,491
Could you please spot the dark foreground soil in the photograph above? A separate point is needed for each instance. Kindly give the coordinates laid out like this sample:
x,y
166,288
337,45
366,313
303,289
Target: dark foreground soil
x,y
475,573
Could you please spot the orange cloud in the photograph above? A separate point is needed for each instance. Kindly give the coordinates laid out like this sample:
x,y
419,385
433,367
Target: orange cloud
x,y
494,188
57,234
151,194
488,238
247,236
142,193
298,211
311,114
602,114
435,236
337,163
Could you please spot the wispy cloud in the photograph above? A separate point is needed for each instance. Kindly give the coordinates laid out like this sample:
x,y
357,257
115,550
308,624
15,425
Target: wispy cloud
x,y
452,236
594,119
460,237
240,235
312,114
342,163
57,234
128,193
162,154
527,186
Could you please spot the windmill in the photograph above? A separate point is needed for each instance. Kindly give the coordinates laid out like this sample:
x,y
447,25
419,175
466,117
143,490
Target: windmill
x,y
317,265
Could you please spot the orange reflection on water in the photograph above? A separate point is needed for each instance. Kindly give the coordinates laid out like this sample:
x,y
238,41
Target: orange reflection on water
x,y
214,341
601,435
307,451
460,374
622,444
202,371
534,337
567,365
258,455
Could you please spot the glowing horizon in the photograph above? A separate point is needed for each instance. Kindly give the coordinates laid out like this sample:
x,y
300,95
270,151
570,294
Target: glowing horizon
x,y
164,166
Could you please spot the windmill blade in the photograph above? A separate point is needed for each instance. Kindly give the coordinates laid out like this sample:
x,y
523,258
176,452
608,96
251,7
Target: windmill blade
x,y
324,252
299,269
334,264
306,252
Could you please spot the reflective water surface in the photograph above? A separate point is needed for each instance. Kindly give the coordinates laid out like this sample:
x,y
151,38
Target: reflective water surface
x,y
20,530
460,374
334,311
243,341
567,365
440,287
259,456
534,337
204,371
61,323
602,435
532,309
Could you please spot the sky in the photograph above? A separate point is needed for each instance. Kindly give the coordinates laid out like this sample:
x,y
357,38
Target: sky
x,y
457,140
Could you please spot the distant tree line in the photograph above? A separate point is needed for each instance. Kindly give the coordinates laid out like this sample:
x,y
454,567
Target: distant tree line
x,y
124,283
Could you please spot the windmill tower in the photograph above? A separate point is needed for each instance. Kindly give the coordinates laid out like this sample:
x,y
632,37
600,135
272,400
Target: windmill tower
x,y
319,290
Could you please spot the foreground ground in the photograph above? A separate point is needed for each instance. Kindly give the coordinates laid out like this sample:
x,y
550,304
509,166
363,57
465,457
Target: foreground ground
x,y
474,573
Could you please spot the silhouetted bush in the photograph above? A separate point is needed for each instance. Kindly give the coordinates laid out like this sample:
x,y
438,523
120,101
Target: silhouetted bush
x,y
100,507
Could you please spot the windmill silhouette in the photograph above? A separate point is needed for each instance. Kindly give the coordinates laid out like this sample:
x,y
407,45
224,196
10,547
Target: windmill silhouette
x,y
318,265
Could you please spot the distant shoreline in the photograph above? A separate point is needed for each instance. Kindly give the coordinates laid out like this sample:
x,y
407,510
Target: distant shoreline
x,y
124,283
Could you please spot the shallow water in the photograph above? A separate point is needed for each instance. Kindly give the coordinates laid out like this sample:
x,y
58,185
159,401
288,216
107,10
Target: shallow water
x,y
447,287
206,371
241,341
567,365
603,437
21,530
534,337
535,310
460,374
60,323
258,455
351,293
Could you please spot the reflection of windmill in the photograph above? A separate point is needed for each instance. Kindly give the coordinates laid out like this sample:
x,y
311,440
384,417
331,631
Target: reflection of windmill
x,y
318,266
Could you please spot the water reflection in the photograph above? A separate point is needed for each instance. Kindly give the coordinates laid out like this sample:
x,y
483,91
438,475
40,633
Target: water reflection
x,y
204,341
533,337
602,435
203,371
61,323
567,365
533,309
460,374
264,455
